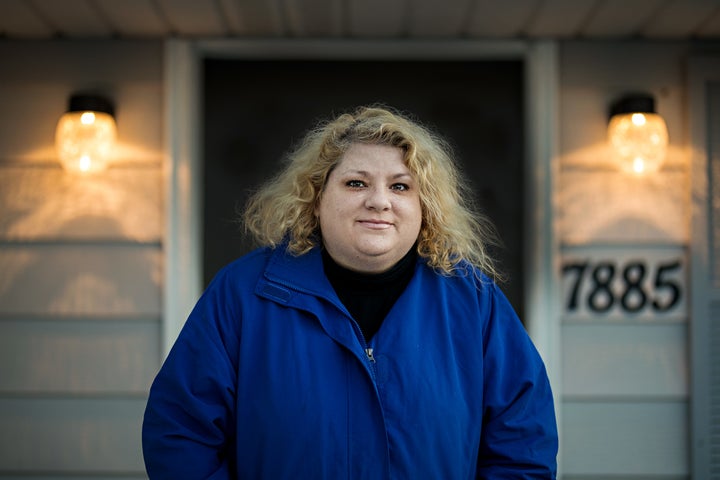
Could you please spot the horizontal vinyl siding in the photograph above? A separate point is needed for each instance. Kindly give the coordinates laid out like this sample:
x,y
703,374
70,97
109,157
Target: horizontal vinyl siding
x,y
624,477
625,360
71,435
74,476
80,265
79,347
89,278
78,356
620,438
43,202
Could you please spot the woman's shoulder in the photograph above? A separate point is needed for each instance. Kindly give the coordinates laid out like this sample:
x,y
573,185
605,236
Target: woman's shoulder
x,y
463,273
248,266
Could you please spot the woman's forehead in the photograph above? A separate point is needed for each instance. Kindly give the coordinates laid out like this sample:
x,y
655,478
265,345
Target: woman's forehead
x,y
371,158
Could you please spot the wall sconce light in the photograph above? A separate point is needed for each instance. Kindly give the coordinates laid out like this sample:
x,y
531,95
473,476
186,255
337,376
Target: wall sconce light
x,y
85,135
638,134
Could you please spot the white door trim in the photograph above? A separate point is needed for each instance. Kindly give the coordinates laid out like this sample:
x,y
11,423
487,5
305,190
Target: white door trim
x,y
183,234
705,293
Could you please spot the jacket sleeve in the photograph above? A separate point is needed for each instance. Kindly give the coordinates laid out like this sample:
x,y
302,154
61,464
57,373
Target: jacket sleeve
x,y
189,418
519,433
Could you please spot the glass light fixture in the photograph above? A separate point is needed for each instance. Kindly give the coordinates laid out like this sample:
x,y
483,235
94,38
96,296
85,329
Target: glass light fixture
x,y
85,135
638,135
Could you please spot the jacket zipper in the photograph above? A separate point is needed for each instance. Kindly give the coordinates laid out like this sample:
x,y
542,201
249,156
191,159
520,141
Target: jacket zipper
x,y
369,351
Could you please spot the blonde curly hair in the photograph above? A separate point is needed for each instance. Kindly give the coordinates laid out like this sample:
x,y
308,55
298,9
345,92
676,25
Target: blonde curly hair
x,y
452,232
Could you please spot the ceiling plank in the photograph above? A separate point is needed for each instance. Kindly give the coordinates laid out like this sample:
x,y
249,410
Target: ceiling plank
x,y
501,19
315,18
230,11
430,18
560,18
259,18
18,20
377,19
74,18
679,19
612,18
364,19
134,18
193,18
711,25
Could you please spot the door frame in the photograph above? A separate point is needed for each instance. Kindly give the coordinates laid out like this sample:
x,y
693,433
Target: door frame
x,y
182,242
703,277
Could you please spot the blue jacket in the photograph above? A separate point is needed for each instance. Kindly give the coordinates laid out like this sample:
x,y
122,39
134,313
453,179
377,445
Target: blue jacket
x,y
271,378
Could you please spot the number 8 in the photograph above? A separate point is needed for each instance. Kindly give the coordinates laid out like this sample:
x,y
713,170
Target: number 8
x,y
633,274
601,298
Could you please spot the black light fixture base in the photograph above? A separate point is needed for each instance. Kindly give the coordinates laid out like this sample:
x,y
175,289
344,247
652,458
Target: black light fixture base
x,y
633,103
88,102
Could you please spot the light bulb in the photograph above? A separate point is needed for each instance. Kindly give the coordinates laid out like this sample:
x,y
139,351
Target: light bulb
x,y
638,119
85,137
640,141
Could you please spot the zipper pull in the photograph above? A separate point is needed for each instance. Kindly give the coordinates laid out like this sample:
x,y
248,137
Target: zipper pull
x,y
369,353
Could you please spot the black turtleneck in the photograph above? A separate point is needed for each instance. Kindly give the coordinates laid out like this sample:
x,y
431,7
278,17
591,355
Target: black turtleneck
x,y
370,296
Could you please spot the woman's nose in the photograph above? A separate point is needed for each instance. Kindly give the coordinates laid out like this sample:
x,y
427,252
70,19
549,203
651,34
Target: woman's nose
x,y
378,199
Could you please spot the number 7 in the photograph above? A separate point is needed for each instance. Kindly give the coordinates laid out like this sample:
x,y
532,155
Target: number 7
x,y
579,268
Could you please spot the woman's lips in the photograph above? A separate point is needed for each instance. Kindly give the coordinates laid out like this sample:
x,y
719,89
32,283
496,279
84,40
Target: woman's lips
x,y
375,224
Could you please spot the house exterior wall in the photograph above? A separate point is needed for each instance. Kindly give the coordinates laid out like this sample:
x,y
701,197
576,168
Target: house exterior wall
x,y
81,266
80,263
625,372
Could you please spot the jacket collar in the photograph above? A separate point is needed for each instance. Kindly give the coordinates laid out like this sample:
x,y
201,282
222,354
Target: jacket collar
x,y
299,281
299,272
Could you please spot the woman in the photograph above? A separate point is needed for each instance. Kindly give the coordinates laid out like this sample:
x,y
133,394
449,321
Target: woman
x,y
365,339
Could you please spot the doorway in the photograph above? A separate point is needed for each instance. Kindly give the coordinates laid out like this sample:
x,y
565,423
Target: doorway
x,y
255,110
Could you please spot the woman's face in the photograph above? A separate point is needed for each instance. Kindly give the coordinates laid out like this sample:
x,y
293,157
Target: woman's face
x,y
370,212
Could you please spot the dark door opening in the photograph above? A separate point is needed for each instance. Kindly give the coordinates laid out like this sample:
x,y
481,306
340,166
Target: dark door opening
x,y
256,110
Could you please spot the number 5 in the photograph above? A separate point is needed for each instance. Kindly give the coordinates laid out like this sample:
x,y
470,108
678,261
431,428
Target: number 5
x,y
664,283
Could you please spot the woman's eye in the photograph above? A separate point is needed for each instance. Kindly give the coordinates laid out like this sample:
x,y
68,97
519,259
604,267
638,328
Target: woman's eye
x,y
355,183
400,186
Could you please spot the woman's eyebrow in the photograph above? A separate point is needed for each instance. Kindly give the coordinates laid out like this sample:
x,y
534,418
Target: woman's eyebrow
x,y
361,173
402,175
365,173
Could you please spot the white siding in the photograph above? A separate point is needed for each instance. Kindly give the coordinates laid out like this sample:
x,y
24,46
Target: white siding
x,y
624,361
609,439
80,264
71,435
625,376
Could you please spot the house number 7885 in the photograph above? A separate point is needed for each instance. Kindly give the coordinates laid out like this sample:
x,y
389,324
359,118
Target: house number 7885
x,y
605,284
